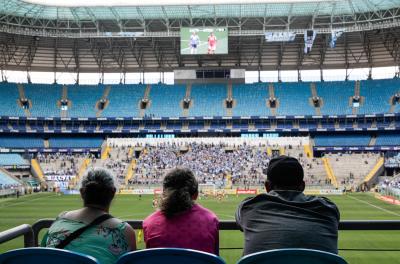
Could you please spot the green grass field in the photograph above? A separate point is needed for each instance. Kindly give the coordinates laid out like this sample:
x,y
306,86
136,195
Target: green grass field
x,y
376,246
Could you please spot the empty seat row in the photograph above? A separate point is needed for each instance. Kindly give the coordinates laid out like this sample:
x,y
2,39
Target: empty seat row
x,y
12,159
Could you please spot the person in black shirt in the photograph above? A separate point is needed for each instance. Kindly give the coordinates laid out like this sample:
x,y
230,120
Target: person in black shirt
x,y
285,217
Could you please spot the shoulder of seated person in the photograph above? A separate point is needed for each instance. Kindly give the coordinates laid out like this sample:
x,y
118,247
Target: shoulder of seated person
x,y
77,215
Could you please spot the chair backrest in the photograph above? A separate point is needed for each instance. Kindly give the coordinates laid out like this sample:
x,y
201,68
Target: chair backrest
x,y
169,256
292,255
45,256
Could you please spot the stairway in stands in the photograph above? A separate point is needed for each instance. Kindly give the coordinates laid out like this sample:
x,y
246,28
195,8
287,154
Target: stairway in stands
x,y
375,171
36,170
185,112
315,94
63,112
372,142
21,93
132,166
229,95
146,96
356,94
329,172
82,169
271,92
105,152
104,98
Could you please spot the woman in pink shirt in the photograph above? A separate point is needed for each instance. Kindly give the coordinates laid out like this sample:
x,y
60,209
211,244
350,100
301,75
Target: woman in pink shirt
x,y
180,222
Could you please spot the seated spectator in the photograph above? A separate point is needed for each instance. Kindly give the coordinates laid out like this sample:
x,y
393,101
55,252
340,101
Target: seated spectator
x,y
180,222
286,218
104,237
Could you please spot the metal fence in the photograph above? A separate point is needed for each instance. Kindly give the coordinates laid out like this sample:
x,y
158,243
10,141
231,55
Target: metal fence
x,y
31,233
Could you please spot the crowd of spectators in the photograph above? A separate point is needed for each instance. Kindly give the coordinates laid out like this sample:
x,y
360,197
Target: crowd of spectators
x,y
218,164
211,163
393,162
60,168
117,161
391,183
9,186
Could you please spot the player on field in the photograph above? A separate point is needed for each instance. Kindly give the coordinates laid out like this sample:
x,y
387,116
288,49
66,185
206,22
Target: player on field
x,y
212,43
194,42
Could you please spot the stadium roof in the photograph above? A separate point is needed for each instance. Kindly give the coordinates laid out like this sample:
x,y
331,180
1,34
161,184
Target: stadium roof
x,y
152,9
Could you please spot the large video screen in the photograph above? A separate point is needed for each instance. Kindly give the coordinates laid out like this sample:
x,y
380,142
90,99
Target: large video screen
x,y
204,40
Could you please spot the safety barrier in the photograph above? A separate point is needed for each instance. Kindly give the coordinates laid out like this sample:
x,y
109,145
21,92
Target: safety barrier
x,y
31,233
21,230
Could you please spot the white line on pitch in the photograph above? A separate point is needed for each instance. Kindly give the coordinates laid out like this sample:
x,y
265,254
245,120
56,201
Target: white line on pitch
x,y
375,206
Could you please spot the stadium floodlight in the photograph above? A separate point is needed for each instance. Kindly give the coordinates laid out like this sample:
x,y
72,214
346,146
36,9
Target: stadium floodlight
x,y
98,3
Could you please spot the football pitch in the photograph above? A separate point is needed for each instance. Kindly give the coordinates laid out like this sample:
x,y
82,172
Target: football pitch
x,y
381,247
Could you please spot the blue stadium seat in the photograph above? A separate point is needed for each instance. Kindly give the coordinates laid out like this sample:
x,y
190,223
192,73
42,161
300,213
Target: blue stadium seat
x,y
341,140
8,100
335,96
293,99
377,95
83,99
251,99
48,107
292,256
73,142
165,100
208,100
45,256
169,256
12,159
7,180
124,100
388,140
21,142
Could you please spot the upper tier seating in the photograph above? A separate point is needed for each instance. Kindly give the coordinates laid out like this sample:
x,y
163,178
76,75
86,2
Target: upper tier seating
x,y
165,100
377,95
21,142
7,180
388,140
84,99
124,100
335,96
341,140
208,100
72,142
40,107
9,100
251,99
12,159
293,99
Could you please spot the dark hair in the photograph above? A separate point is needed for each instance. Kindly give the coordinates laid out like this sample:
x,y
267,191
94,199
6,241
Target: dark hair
x,y
284,171
97,187
179,186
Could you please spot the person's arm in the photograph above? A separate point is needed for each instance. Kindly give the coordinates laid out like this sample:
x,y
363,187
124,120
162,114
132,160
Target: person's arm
x,y
130,237
217,237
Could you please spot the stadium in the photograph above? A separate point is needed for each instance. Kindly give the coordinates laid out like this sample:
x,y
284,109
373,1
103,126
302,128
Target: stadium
x,y
221,88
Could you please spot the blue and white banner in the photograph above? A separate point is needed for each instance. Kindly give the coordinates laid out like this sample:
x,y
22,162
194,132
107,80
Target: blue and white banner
x,y
279,36
335,34
309,37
